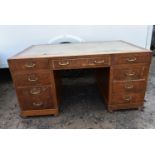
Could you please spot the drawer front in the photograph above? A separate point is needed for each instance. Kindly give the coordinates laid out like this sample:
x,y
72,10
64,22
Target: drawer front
x,y
66,64
127,98
28,64
32,78
35,98
129,86
81,63
123,73
132,58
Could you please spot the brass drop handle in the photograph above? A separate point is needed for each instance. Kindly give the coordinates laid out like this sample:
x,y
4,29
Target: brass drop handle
x,y
64,63
127,99
32,79
30,65
130,74
99,62
35,91
128,86
37,104
131,59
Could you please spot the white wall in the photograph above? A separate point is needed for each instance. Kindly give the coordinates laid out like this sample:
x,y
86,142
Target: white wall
x,y
13,39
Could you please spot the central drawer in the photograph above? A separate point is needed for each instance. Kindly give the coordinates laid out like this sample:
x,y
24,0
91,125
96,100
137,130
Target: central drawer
x,y
35,98
81,62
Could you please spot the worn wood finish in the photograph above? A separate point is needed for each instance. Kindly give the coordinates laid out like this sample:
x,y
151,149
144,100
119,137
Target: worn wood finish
x,y
33,98
121,73
42,112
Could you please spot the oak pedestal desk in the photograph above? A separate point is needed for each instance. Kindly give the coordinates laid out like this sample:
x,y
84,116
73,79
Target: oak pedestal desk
x,y
121,73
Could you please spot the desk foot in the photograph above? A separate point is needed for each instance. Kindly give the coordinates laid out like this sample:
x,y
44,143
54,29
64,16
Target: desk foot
x,y
56,114
141,108
110,110
23,116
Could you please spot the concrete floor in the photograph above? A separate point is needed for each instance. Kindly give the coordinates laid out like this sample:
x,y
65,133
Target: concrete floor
x,y
81,107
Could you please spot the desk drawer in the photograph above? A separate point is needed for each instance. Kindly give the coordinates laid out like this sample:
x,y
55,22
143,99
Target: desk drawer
x,y
35,98
130,58
32,78
127,98
129,86
81,63
28,64
133,72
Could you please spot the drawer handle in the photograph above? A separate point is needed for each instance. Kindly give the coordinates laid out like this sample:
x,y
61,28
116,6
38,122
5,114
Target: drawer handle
x,y
32,79
35,91
130,74
31,65
127,99
64,63
37,104
131,59
99,62
128,86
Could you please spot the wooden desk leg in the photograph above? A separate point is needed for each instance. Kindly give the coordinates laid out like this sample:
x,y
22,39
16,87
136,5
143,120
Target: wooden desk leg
x,y
55,89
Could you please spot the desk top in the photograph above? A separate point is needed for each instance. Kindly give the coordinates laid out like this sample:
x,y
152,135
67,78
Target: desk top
x,y
79,49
